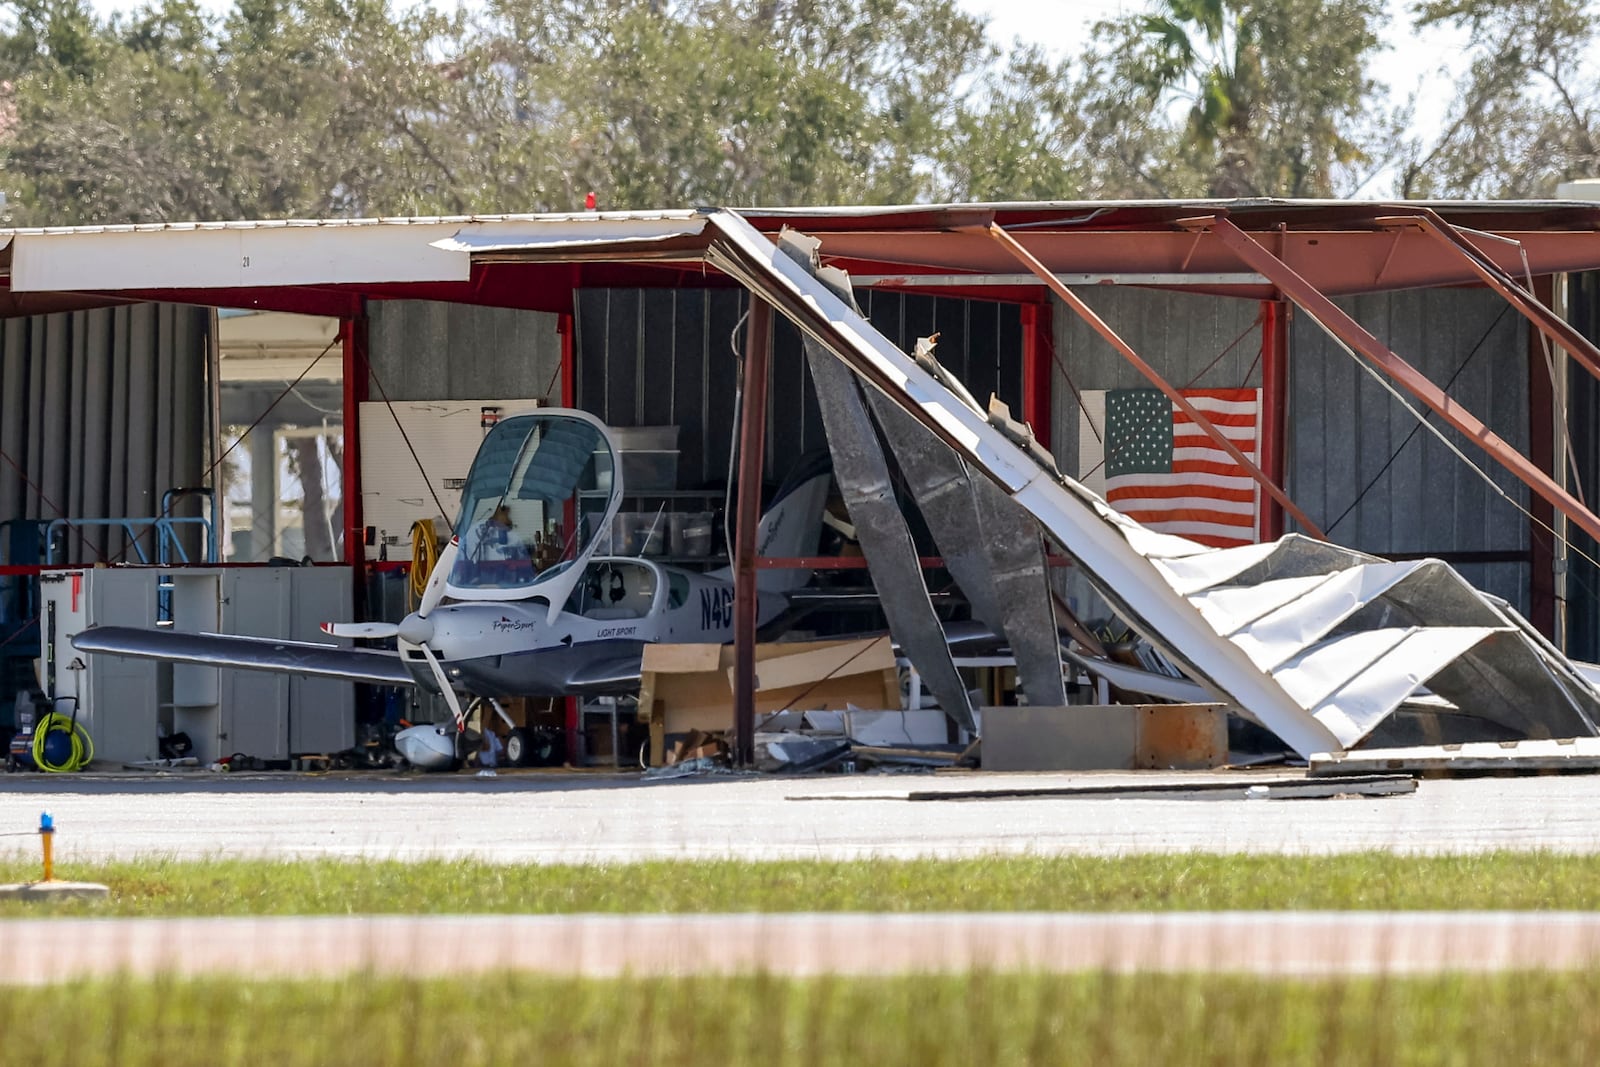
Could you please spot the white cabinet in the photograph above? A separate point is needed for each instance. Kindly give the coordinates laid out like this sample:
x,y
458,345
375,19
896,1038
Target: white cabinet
x,y
126,702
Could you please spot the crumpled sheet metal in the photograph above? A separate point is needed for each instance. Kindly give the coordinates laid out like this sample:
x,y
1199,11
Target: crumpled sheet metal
x,y
1150,577
1351,638
863,476
990,546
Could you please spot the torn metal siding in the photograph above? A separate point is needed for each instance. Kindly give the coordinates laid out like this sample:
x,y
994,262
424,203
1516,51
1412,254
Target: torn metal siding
x,y
653,357
1114,551
1331,659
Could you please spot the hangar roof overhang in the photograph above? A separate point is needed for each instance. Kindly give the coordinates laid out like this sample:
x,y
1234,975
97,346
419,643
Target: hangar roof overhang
x,y
536,261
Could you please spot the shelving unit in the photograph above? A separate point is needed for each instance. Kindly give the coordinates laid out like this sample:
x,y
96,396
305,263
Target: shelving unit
x,y
660,496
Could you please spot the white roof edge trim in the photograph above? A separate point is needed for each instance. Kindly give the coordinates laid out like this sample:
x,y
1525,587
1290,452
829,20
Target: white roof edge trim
x,y
92,261
581,232
382,221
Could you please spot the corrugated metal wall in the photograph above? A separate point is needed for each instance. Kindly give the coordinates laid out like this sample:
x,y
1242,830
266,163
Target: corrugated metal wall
x,y
656,358
1344,428
101,412
1583,578
428,350
1181,334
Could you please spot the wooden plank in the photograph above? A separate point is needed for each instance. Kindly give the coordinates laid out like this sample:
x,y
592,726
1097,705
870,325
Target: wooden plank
x,y
813,664
680,659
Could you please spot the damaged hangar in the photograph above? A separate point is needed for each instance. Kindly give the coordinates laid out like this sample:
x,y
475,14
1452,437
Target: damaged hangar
x,y
629,316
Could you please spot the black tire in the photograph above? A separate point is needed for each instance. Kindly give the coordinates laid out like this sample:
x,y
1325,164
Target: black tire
x,y
519,748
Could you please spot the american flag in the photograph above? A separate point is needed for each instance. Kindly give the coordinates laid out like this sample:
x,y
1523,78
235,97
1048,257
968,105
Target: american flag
x,y
1153,464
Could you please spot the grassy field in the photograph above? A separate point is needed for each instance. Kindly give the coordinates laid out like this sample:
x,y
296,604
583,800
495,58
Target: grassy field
x,y
1512,880
993,1020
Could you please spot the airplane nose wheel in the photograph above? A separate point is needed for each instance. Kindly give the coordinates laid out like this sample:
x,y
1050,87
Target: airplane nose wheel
x,y
531,748
518,748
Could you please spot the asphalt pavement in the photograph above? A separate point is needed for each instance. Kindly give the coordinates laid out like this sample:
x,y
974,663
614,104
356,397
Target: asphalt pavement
x,y
556,817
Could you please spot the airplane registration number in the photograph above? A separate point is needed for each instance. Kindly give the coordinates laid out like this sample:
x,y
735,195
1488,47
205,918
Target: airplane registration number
x,y
716,609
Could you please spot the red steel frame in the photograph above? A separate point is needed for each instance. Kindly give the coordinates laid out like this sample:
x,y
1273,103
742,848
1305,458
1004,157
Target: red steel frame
x,y
1352,333
1274,408
1153,376
569,397
353,335
752,457
1037,384
1542,448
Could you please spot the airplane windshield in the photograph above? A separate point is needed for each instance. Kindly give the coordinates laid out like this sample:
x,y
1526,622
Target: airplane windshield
x,y
520,508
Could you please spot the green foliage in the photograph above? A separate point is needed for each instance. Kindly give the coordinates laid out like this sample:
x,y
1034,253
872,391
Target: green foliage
x,y
1525,114
1188,882
1277,96
315,108
349,107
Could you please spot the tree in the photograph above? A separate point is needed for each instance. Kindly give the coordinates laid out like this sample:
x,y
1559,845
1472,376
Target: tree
x,y
1524,117
343,107
1022,136
286,108
1275,95
723,101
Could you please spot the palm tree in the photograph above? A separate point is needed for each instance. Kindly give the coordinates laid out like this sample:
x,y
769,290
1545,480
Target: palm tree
x,y
1208,49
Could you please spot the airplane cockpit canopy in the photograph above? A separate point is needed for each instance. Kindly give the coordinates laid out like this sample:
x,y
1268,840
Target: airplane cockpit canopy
x,y
540,489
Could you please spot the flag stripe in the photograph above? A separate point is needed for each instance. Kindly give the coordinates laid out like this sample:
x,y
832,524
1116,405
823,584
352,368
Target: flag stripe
x,y
1241,494
1216,455
1213,406
1165,516
1228,512
1186,438
1225,467
1216,418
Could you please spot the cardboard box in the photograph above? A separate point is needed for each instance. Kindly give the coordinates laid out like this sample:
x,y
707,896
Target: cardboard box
x,y
690,687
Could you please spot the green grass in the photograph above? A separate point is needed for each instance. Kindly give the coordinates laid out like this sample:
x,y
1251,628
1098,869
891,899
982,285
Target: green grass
x,y
991,1020
1366,881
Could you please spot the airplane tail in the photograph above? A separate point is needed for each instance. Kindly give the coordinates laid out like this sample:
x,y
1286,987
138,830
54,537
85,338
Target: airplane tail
x,y
792,524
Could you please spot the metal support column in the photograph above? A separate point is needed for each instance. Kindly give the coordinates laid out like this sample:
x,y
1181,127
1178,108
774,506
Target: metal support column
x,y
1274,398
565,326
1037,381
1333,319
1542,446
752,439
353,334
1112,338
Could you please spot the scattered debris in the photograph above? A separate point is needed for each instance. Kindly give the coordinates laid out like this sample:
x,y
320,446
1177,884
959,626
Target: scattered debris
x,y
797,753
688,769
1567,756
935,756
688,688
1320,644
698,745
1243,788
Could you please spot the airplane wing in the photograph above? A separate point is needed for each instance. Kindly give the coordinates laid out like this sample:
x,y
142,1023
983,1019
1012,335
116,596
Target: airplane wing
x,y
370,665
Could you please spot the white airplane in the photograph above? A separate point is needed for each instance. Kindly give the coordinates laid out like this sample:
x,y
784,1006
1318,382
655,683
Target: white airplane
x,y
521,601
